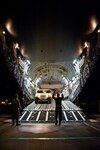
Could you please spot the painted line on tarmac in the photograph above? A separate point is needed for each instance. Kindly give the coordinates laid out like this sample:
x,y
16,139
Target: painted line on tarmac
x,y
87,124
56,138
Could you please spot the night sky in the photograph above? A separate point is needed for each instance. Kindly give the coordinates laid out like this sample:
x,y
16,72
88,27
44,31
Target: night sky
x,y
49,26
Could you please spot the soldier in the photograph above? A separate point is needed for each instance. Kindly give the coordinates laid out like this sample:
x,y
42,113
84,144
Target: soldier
x,y
15,110
58,97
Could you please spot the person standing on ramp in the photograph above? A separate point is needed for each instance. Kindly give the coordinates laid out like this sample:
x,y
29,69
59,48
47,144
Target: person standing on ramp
x,y
58,97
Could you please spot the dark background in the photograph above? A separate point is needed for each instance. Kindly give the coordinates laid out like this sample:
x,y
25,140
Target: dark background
x,y
50,25
66,20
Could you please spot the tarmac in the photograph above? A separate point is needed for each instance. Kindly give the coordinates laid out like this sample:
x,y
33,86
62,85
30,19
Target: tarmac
x,y
82,135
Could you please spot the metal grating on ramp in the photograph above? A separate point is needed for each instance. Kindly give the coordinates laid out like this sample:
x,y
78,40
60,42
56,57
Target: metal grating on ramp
x,y
45,113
